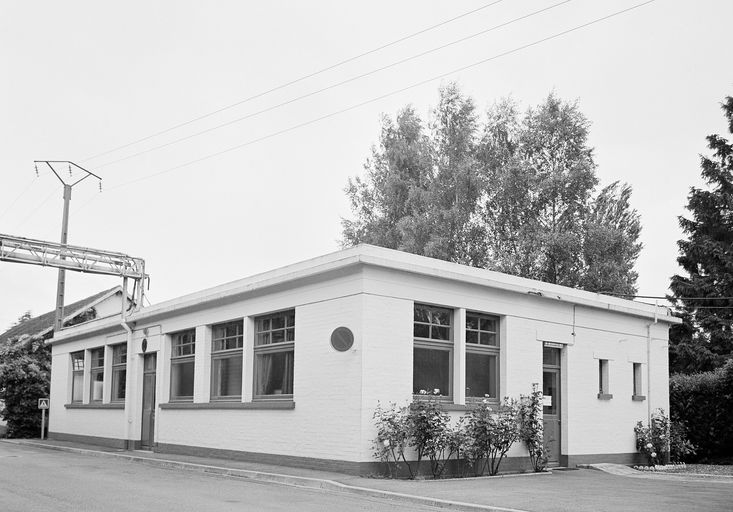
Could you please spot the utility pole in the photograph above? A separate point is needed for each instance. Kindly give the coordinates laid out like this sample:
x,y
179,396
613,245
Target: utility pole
x,y
61,286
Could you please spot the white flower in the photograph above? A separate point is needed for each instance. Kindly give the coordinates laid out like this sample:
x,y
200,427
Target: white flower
x,y
649,445
423,392
385,442
436,391
654,454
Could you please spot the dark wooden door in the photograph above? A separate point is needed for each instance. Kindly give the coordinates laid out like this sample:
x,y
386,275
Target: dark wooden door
x,y
148,423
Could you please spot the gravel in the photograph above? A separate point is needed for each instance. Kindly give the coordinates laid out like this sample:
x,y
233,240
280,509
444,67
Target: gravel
x,y
703,469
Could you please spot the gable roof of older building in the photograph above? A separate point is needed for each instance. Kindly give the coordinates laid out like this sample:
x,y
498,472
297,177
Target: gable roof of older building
x,y
42,325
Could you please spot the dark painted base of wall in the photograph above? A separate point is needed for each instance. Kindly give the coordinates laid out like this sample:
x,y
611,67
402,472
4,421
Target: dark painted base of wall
x,y
370,468
454,468
338,466
629,459
110,442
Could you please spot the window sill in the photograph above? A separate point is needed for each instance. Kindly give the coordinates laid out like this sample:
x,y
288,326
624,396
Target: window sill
x,y
450,406
456,407
604,396
638,398
262,404
117,405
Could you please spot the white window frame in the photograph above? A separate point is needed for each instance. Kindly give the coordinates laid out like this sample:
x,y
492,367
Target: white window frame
x,y
96,367
183,352
492,350
264,346
433,341
77,369
119,367
604,382
221,350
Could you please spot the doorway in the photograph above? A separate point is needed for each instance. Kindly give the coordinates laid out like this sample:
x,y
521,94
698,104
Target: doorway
x,y
551,401
148,421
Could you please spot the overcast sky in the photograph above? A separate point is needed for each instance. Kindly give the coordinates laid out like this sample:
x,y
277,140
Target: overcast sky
x,y
78,79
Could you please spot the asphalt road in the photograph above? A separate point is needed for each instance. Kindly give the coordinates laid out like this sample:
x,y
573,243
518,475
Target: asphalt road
x,y
38,480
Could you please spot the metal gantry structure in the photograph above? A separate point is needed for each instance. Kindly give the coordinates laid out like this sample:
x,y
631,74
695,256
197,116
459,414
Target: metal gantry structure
x,y
17,249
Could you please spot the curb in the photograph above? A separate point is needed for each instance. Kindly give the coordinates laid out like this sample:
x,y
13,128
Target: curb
x,y
275,478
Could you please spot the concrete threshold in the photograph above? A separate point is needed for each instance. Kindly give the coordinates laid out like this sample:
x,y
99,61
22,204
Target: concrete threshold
x,y
272,478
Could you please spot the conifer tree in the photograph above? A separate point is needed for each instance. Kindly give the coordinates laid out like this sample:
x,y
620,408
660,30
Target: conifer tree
x,y
703,296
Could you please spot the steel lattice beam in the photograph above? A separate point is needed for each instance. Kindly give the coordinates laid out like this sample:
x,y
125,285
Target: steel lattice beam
x,y
70,257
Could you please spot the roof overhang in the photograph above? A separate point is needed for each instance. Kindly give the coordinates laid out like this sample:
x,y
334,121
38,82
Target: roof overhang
x,y
369,255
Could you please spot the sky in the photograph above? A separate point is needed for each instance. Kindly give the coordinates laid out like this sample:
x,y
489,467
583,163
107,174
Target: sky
x,y
261,184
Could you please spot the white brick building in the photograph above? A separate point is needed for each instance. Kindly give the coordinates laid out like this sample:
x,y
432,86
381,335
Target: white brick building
x,y
253,369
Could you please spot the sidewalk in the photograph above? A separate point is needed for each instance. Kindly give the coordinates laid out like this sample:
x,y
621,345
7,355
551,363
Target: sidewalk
x,y
559,491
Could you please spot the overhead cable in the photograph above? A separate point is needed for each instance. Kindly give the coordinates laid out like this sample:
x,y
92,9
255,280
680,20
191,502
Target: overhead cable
x,y
295,81
383,96
333,86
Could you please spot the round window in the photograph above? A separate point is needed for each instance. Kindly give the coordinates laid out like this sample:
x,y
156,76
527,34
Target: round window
x,y
342,339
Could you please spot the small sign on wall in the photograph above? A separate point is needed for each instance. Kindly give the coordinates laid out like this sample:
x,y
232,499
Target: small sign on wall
x,y
547,400
550,344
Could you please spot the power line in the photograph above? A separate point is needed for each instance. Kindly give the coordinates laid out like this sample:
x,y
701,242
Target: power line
x,y
378,98
333,86
17,198
295,81
666,297
38,208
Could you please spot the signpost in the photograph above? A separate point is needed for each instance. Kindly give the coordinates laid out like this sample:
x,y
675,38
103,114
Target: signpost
x,y
43,405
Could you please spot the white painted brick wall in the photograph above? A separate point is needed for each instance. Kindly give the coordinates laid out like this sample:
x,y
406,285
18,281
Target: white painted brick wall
x,y
336,393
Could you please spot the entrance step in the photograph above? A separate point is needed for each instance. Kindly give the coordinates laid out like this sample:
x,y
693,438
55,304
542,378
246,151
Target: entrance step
x,y
614,469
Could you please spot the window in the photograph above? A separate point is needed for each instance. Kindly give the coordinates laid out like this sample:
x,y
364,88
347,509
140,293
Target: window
x,y
183,349
119,372
482,355
77,379
96,374
638,394
603,384
226,360
274,351
432,350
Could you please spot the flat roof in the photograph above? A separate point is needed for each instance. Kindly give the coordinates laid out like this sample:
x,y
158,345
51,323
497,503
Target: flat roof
x,y
371,255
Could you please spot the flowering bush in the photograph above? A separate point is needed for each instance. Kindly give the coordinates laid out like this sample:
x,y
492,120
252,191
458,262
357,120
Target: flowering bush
x,y
430,433
531,429
392,437
653,440
481,439
490,435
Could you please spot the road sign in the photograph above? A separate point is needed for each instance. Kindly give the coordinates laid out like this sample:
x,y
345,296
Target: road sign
x,y
43,403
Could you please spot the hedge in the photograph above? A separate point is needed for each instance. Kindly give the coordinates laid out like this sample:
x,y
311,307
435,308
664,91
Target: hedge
x,y
703,402
25,372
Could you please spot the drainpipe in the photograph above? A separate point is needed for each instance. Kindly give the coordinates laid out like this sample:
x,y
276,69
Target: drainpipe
x,y
128,330
649,365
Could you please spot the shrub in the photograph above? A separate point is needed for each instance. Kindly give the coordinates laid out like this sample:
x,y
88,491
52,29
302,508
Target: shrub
x,y
25,372
490,435
653,440
680,448
430,433
392,437
531,429
703,403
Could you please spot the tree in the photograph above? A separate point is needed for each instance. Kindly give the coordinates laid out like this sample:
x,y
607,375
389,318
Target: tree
x,y
512,193
22,318
25,372
702,297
